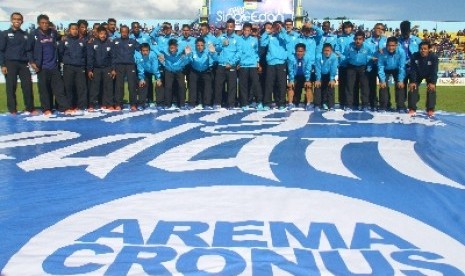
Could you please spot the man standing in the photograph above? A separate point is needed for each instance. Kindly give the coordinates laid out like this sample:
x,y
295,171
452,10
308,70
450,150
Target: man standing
x,y
15,53
227,62
46,66
276,57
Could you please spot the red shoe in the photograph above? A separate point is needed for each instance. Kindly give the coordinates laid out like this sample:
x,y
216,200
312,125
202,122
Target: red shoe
x,y
430,113
133,108
117,108
91,109
47,113
34,112
111,108
412,112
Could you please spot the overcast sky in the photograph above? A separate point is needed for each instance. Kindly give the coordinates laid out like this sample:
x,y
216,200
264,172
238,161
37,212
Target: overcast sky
x,y
448,10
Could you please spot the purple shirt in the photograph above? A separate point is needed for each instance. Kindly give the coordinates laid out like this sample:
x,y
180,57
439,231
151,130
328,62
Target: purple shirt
x,y
48,50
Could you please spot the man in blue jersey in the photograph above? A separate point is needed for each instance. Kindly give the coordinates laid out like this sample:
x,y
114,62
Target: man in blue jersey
x,y
174,63
147,69
200,78
391,62
112,32
357,57
249,83
299,68
226,70
377,41
325,71
16,52
276,40
343,41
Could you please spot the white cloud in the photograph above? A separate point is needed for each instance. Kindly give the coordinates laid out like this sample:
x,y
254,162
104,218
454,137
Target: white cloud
x,y
70,10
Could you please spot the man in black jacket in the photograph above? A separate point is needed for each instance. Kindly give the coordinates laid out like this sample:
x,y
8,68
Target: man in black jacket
x,y
424,67
15,54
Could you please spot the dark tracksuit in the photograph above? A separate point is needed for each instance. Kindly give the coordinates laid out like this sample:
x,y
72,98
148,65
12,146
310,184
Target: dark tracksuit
x,y
125,66
228,56
15,52
99,60
73,54
423,68
49,76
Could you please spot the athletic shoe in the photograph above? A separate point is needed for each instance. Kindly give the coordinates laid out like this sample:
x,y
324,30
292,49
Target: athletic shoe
x,y
347,109
382,111
140,108
430,113
309,107
332,109
290,106
245,108
325,107
67,112
133,108
160,107
199,107
412,112
365,109
266,108
117,108
253,105
317,109
401,110
78,112
260,107
281,107
208,107
216,107
48,112
90,109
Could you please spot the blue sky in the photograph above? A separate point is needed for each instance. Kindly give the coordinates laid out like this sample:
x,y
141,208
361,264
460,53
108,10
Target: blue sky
x,y
177,9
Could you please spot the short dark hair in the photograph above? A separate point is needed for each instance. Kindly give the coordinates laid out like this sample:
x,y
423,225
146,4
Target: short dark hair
x,y
124,27
145,45
83,21
101,29
425,43
204,24
111,20
134,23
186,26
42,16
72,24
327,45
200,39
300,45
360,33
405,26
347,24
288,20
172,42
392,39
16,13
247,25
230,20
278,22
96,24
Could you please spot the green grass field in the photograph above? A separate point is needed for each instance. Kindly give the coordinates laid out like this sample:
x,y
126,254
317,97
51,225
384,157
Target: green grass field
x,y
449,98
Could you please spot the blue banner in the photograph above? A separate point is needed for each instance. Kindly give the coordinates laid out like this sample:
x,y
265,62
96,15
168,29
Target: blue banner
x,y
232,193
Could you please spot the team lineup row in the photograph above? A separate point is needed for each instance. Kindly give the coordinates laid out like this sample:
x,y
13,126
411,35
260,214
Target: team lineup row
x,y
268,66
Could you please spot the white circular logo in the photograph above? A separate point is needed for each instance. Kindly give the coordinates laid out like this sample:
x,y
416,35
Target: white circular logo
x,y
232,230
